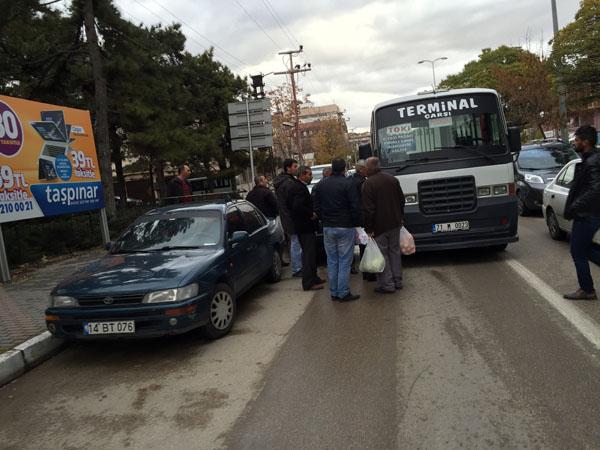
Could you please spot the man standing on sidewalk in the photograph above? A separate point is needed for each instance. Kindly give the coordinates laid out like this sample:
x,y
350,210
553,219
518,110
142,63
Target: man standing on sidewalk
x,y
262,197
336,204
179,189
299,204
383,210
583,206
282,183
358,179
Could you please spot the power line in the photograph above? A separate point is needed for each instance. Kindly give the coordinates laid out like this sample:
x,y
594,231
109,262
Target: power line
x,y
280,21
257,24
189,37
214,44
274,16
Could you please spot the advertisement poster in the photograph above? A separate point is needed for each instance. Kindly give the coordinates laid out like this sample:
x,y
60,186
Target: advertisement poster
x,y
48,161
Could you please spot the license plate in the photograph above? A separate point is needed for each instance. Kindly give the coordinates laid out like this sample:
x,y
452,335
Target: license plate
x,y
450,227
119,327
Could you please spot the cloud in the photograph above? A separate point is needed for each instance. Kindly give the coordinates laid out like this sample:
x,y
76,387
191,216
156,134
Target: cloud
x,y
362,52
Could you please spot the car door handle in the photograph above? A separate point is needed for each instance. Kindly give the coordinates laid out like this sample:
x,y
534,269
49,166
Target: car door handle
x,y
552,196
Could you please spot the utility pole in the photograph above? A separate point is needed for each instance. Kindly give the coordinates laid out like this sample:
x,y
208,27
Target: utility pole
x,y
562,99
293,70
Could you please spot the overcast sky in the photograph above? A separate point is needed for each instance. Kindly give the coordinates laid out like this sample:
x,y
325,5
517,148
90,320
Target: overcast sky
x,y
362,52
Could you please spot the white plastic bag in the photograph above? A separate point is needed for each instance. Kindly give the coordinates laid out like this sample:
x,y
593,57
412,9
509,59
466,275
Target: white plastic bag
x,y
361,236
372,260
407,242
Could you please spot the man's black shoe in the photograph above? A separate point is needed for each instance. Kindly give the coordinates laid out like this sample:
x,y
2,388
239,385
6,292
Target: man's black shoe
x,y
334,298
297,274
348,297
580,294
383,291
320,280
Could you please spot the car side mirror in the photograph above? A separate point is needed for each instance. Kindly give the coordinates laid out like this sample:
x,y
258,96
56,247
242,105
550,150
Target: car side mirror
x,y
365,151
238,237
514,139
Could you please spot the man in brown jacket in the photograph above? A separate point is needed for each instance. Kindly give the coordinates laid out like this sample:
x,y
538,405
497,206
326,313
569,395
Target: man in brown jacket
x,y
383,209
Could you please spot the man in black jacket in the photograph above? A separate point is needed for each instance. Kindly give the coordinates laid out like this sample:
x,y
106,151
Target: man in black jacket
x,y
358,179
583,206
179,189
262,197
299,204
336,205
282,182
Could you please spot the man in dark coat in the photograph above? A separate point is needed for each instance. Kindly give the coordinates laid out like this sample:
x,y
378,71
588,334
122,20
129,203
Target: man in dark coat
x,y
179,189
583,206
336,205
299,204
262,197
282,183
383,210
357,180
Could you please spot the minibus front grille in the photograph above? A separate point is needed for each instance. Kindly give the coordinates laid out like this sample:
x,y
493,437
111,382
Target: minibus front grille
x,y
447,195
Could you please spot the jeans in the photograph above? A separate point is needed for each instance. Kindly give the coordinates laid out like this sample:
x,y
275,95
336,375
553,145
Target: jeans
x,y
295,254
583,250
339,246
389,244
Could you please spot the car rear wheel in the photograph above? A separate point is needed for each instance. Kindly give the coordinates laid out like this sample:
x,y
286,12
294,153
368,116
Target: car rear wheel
x,y
555,232
276,267
222,312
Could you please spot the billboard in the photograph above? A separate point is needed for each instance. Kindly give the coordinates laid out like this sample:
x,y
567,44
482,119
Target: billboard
x,y
48,161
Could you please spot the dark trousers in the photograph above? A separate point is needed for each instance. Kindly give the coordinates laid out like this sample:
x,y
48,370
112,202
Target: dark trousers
x,y
583,250
308,242
389,244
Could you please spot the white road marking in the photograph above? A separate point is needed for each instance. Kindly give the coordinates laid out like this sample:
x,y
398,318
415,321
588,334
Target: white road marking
x,y
586,326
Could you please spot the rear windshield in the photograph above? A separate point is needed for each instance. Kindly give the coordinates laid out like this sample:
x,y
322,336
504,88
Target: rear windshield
x,y
546,158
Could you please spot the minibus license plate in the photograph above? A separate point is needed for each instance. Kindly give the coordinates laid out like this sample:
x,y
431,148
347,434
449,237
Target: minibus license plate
x,y
450,227
119,327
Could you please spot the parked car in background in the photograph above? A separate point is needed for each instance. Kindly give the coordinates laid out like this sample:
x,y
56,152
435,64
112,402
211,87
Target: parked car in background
x,y
317,173
555,199
174,269
129,201
537,166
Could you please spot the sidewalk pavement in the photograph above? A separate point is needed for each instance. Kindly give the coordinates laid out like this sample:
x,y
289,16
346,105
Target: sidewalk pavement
x,y
22,302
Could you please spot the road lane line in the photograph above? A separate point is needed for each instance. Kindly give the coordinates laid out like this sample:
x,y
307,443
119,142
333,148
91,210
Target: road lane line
x,y
586,326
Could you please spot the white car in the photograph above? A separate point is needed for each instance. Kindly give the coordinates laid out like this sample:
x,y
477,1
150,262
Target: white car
x,y
555,198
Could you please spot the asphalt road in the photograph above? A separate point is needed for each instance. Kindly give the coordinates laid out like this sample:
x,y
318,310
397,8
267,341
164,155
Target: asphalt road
x,y
477,351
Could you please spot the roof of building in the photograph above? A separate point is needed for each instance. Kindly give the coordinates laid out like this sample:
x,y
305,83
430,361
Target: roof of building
x,y
317,110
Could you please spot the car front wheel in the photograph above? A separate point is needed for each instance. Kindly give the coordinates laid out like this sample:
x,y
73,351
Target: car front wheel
x,y
276,267
222,312
555,232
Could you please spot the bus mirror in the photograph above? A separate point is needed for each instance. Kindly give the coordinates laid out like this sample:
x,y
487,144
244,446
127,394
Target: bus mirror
x,y
365,151
514,139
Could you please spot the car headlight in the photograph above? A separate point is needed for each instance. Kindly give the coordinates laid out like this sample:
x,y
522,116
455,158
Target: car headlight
x,y
410,199
531,178
62,301
172,295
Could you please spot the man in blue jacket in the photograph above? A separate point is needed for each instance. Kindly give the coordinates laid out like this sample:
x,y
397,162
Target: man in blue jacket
x,y
583,206
336,204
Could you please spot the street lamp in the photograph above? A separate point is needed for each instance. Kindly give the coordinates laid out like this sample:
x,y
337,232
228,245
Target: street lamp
x,y
442,58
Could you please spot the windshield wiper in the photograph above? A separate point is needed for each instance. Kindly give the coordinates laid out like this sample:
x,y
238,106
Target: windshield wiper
x,y
469,149
412,162
174,247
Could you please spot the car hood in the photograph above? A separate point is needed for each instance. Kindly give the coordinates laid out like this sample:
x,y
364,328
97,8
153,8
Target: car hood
x,y
138,272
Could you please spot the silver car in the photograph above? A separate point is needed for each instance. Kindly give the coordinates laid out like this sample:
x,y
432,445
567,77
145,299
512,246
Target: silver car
x,y
555,198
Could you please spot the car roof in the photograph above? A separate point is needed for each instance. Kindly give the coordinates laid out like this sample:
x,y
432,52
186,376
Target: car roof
x,y
212,205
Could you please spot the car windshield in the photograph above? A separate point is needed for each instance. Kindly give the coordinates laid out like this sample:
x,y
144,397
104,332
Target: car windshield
x,y
171,231
445,128
545,158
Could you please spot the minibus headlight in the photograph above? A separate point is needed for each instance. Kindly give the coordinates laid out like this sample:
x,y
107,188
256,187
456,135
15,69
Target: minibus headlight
x,y
484,191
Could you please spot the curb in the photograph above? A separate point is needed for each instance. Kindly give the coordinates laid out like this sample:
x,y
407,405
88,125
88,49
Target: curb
x,y
27,355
